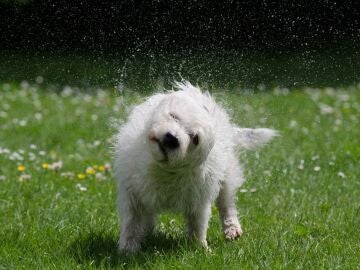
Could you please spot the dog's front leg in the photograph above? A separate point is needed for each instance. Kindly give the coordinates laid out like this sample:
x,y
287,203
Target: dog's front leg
x,y
198,223
134,227
131,233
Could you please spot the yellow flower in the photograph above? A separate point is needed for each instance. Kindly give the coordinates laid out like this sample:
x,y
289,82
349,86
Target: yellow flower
x,y
81,176
90,170
45,166
101,168
21,168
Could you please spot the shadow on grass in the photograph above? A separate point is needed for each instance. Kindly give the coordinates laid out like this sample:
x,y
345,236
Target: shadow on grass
x,y
100,249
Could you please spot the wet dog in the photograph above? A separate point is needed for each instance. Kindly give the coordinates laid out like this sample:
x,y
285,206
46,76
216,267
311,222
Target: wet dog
x,y
178,151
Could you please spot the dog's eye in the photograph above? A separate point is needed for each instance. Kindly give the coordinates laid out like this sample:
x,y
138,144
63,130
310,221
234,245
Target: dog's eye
x,y
194,138
174,116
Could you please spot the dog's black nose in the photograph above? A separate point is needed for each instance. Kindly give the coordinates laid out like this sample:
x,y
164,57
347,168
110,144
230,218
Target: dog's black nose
x,y
170,141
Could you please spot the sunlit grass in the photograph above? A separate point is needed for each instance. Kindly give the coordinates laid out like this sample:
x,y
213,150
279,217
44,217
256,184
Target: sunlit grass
x,y
299,208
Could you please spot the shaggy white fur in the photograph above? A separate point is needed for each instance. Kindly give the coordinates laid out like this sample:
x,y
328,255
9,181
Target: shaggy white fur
x,y
178,151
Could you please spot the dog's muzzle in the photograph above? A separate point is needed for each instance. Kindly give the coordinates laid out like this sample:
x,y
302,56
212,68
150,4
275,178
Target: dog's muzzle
x,y
167,143
170,141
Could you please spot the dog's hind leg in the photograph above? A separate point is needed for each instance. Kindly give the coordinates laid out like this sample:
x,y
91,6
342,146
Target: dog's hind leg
x,y
228,213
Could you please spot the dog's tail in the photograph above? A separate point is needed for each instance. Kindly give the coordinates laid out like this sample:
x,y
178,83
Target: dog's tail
x,y
249,139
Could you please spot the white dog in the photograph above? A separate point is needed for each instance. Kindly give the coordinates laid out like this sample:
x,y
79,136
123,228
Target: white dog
x,y
178,151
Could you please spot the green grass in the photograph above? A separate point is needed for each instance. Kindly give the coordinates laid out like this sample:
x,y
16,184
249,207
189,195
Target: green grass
x,y
298,217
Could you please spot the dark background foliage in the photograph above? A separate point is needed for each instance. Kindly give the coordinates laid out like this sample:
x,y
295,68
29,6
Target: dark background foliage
x,y
155,25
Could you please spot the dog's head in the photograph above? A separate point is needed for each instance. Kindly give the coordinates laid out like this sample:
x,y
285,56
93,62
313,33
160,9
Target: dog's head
x,y
181,130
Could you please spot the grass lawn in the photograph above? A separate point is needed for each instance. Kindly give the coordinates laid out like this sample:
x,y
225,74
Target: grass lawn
x,y
299,208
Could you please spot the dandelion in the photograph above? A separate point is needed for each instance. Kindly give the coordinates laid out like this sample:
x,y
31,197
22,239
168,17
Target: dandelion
x,y
21,168
67,174
45,166
305,130
301,165
326,109
4,151
32,156
2,177
24,84
88,98
96,143
56,165
99,176
22,123
3,114
24,177
94,117
317,168
104,168
293,124
16,156
39,79
80,187
338,122
90,170
67,91
280,91
81,176
343,97
330,91
341,174
33,146
38,116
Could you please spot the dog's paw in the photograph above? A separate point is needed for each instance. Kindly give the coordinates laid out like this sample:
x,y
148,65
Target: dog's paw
x,y
232,228
204,244
129,247
206,247
233,232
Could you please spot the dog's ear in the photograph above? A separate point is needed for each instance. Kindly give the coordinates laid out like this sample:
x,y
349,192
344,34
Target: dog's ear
x,y
249,139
